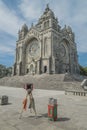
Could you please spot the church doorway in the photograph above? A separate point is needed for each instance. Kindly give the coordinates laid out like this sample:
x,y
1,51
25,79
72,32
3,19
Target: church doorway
x,y
45,69
32,69
27,70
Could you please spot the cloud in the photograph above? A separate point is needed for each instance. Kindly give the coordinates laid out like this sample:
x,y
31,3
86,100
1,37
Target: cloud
x,y
9,25
7,47
9,21
6,50
31,10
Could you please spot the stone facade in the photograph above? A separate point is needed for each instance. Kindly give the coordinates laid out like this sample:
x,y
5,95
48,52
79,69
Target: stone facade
x,y
46,48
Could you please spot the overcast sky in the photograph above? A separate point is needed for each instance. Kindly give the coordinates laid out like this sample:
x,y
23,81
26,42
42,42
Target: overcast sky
x,y
14,13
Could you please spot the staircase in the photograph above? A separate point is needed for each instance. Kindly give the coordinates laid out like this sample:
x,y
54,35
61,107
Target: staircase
x,y
44,81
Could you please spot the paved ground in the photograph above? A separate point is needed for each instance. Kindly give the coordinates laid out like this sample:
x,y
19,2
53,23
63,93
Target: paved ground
x,y
72,111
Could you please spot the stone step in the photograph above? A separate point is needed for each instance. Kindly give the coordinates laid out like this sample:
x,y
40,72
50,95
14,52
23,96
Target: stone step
x,y
45,81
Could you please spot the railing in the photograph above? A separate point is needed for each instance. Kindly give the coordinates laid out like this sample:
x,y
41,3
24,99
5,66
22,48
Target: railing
x,y
76,93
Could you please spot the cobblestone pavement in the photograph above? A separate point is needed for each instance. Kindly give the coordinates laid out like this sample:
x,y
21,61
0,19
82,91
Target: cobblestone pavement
x,y
72,111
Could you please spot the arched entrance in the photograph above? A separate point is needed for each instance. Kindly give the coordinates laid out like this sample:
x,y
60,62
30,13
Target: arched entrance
x,y
32,69
45,69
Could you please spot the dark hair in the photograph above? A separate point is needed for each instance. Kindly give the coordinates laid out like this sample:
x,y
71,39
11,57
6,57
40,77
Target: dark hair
x,y
28,86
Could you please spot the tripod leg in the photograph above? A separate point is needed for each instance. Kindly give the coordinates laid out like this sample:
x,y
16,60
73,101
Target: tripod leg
x,y
21,114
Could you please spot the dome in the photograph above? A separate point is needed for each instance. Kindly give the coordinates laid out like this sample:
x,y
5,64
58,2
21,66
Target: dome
x,y
47,13
50,13
24,27
69,29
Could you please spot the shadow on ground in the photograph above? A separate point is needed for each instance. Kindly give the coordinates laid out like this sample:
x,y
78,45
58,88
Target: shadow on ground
x,y
45,115
6,104
40,116
63,119
59,118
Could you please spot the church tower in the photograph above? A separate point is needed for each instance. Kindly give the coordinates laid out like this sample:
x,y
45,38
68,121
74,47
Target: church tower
x,y
46,48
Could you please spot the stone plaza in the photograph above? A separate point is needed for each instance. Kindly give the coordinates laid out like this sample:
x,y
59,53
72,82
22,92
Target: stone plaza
x,y
72,111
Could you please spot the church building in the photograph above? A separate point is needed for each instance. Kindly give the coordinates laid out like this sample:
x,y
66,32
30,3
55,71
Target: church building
x,y
46,48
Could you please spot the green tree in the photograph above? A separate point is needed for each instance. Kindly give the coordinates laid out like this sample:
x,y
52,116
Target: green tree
x,y
5,71
83,70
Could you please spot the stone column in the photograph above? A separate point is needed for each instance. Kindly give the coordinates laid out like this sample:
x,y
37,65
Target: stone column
x,y
38,66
